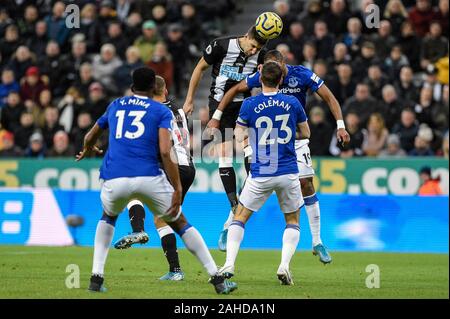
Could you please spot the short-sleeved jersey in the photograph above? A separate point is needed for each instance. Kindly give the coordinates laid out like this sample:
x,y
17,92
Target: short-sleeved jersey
x,y
134,123
297,82
272,122
230,65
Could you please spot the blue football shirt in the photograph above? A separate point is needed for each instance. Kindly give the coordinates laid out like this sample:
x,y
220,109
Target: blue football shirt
x,y
297,82
133,123
272,122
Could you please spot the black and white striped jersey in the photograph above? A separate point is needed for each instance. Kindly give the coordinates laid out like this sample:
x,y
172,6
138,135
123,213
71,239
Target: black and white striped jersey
x,y
180,135
230,65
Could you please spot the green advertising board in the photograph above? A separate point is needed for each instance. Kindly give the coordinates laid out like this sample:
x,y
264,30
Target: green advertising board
x,y
353,176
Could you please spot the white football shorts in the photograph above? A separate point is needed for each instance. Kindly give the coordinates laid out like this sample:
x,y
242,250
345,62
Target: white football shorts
x,y
258,189
304,161
154,191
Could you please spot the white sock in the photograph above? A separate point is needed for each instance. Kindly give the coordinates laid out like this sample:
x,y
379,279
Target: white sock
x,y
103,237
196,245
313,212
229,220
291,237
164,231
235,236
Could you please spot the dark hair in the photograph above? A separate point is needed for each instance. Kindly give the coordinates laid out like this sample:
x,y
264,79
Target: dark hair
x,y
252,34
271,74
143,79
273,55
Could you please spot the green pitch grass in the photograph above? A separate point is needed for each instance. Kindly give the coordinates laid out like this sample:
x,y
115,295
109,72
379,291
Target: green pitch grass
x,y
40,272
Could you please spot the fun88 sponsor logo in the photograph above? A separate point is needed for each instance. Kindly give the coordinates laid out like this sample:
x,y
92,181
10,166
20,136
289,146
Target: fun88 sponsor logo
x,y
231,72
15,217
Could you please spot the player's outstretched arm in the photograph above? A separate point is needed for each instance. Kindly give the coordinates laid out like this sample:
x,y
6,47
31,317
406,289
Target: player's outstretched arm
x,y
197,74
171,169
325,93
241,133
90,139
226,100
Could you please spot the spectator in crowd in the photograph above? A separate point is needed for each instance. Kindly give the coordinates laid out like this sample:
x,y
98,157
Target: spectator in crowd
x,y
362,63
26,129
51,126
323,40
354,147
442,68
289,58
104,65
122,75
55,68
159,15
27,23
85,78
96,104
411,45
376,136
133,25
295,40
161,63
337,16
124,8
69,107
76,58
395,62
344,86
311,14
56,24
89,27
282,8
178,48
362,103
376,80
106,15
309,54
32,87
320,68
147,41
393,147
117,38
430,186
321,132
428,111
10,113
84,124
10,43
61,146
191,25
442,16
407,129
21,61
396,13
9,149
353,38
421,17
38,42
362,13
391,106
422,142
434,46
340,55
445,145
383,40
405,86
7,85
36,146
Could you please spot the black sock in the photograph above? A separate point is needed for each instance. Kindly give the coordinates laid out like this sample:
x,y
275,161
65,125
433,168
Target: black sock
x,y
169,246
247,164
228,177
137,216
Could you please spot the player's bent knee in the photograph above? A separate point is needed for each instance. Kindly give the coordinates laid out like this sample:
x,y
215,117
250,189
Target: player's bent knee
x,y
109,219
307,186
159,222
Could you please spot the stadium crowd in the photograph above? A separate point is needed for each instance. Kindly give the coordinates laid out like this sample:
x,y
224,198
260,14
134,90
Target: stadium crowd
x,y
392,81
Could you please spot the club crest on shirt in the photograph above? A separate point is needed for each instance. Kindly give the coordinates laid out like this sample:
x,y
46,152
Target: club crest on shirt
x,y
292,82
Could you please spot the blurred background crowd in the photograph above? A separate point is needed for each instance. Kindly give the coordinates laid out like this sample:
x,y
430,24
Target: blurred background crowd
x,y
391,80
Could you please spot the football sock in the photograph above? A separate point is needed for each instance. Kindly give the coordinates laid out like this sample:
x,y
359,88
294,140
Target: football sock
x,y
196,245
136,212
228,177
291,237
169,246
229,219
235,236
313,212
103,237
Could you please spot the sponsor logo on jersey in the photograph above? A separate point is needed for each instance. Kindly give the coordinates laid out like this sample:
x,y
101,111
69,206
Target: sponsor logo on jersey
x,y
286,90
231,72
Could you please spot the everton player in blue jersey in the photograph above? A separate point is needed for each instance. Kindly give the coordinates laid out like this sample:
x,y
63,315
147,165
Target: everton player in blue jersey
x,y
139,135
297,81
270,120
